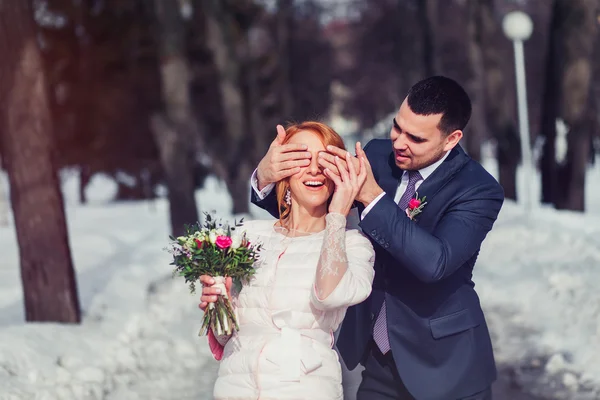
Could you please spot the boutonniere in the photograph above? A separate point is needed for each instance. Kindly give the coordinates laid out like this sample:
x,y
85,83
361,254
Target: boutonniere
x,y
415,206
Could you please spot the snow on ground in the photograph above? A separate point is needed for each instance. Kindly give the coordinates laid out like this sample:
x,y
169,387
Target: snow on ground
x,y
139,337
535,276
537,280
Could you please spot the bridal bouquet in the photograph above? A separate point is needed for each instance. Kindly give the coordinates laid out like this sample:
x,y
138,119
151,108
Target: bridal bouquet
x,y
220,251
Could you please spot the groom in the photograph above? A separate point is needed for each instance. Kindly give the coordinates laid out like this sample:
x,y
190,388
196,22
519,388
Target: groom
x,y
422,333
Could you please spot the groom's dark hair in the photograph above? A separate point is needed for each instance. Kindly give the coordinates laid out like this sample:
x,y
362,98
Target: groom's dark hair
x,y
441,95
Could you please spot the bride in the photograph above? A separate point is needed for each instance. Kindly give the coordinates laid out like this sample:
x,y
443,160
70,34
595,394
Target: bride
x,y
311,269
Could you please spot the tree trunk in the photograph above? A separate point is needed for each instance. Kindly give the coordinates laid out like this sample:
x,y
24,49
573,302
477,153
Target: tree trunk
x,y
177,131
284,24
3,201
507,175
476,130
222,43
426,14
548,164
572,174
85,175
242,118
499,101
178,174
573,34
238,188
49,287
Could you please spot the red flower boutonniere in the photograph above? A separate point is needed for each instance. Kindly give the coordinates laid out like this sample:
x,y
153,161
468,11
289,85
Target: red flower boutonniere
x,y
415,206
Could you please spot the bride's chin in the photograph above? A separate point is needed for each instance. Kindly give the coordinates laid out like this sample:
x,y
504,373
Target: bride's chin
x,y
313,206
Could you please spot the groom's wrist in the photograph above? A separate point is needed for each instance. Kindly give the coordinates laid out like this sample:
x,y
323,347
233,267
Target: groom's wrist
x,y
261,183
370,196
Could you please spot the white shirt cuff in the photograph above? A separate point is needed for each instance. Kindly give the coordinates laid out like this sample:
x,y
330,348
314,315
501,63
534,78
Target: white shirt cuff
x,y
370,206
260,193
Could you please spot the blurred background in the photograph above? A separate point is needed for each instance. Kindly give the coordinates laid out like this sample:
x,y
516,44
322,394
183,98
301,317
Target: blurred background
x,y
122,120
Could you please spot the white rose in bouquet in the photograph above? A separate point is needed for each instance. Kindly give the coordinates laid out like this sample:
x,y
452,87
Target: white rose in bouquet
x,y
236,239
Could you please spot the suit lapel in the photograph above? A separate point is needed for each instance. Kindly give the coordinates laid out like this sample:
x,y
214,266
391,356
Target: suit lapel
x,y
390,178
444,173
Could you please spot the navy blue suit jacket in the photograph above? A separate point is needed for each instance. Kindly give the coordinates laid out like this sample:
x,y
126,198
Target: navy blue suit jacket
x,y
423,269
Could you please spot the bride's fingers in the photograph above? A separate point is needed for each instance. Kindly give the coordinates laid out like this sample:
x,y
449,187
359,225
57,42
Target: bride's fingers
x,y
210,290
206,280
208,299
228,285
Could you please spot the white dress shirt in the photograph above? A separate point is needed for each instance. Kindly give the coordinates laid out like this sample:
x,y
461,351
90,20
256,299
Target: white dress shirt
x,y
261,193
425,172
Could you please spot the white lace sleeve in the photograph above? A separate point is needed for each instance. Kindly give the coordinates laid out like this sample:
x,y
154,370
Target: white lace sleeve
x,y
345,270
333,262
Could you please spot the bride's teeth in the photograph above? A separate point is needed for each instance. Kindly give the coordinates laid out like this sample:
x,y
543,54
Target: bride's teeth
x,y
313,183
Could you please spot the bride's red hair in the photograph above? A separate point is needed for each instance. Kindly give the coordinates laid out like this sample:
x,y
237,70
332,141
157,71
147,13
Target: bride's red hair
x,y
328,137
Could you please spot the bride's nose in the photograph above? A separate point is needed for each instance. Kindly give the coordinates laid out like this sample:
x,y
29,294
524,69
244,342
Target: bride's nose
x,y
313,167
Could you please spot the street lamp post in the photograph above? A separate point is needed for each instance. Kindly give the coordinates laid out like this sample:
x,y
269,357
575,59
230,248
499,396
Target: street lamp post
x,y
517,26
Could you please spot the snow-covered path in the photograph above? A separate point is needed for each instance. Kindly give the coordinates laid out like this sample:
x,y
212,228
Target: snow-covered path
x,y
172,363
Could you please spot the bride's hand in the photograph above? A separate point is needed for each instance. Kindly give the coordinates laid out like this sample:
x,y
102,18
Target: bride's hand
x,y
210,293
347,184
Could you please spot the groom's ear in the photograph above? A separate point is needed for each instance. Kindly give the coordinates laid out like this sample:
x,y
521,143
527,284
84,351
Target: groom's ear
x,y
452,139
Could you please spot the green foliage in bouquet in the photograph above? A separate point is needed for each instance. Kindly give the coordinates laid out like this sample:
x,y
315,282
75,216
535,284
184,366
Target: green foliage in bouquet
x,y
214,249
218,250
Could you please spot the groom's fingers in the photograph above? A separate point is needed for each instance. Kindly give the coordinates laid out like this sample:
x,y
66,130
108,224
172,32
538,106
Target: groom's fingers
x,y
294,147
351,169
359,150
280,134
290,155
293,164
285,173
361,153
362,176
291,152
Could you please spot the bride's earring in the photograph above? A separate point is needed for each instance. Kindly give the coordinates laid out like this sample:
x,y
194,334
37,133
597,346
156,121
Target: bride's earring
x,y
288,197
